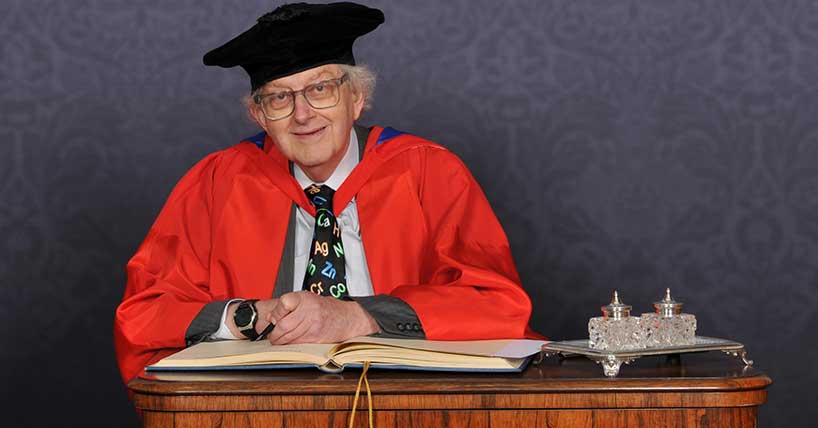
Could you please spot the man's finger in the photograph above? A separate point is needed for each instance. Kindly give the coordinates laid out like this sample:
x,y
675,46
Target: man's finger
x,y
292,335
314,334
286,324
286,304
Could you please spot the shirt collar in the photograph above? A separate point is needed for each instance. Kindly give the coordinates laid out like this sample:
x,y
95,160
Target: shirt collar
x,y
342,171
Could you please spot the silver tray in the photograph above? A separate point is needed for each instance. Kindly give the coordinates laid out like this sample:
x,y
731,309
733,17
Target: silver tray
x,y
611,361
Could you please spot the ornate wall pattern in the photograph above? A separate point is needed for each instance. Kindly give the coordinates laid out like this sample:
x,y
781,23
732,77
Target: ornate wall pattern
x,y
624,144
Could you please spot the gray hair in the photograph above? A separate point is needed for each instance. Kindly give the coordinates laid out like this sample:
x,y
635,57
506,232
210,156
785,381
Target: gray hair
x,y
361,77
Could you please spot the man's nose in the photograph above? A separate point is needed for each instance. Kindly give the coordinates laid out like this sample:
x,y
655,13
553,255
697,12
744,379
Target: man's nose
x,y
302,110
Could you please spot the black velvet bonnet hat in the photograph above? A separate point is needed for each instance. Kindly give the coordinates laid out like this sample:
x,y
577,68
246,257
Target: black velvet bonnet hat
x,y
296,37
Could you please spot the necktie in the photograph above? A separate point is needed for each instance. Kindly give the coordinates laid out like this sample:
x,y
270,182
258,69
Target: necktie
x,y
326,274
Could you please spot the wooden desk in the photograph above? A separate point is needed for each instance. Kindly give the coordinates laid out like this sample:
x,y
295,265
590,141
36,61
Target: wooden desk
x,y
695,390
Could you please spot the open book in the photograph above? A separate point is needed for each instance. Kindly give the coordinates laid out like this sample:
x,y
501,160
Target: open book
x,y
507,355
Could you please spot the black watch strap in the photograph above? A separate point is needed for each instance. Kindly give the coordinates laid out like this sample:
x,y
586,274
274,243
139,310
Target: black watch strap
x,y
246,317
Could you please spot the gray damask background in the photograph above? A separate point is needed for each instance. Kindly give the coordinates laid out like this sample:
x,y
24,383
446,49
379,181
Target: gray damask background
x,y
624,144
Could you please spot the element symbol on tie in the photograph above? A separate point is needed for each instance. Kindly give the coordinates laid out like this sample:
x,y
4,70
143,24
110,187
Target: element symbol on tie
x,y
328,270
338,290
321,247
322,219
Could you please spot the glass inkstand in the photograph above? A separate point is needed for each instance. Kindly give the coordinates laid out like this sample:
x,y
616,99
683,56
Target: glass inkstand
x,y
668,326
616,330
616,338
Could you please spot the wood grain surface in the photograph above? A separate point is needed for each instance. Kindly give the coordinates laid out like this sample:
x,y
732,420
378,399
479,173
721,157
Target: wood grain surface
x,y
694,390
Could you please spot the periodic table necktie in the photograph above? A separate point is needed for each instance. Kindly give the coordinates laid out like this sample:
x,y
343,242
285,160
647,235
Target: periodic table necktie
x,y
326,274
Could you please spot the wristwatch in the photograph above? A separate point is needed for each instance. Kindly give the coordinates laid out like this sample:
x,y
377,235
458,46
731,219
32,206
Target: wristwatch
x,y
246,317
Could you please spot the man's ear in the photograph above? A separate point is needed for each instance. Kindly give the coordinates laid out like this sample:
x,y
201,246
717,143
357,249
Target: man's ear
x,y
358,99
258,116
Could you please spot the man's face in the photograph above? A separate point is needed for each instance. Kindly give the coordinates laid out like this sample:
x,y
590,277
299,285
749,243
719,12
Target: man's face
x,y
314,139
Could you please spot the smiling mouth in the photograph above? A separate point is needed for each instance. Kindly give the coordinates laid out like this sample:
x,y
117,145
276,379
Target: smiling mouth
x,y
309,133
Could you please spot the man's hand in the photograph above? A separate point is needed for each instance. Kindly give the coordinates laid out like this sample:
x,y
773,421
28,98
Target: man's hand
x,y
304,317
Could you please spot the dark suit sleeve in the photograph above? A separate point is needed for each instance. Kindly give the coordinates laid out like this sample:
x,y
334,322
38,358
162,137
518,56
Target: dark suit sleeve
x,y
394,316
207,322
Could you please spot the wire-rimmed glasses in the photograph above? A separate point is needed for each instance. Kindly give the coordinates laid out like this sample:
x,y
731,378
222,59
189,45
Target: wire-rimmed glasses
x,y
281,104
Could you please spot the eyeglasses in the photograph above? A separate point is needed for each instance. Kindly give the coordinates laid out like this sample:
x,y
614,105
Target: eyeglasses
x,y
321,95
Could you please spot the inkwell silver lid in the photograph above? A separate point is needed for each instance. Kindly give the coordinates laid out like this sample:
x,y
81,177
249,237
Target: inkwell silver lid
x,y
668,307
616,309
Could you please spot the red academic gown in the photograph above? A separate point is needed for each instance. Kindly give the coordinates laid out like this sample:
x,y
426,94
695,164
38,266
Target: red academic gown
x,y
428,231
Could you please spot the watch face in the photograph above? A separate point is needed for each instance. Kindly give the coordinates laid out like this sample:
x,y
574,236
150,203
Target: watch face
x,y
244,315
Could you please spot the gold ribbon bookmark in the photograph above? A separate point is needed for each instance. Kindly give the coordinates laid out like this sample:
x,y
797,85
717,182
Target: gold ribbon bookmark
x,y
368,397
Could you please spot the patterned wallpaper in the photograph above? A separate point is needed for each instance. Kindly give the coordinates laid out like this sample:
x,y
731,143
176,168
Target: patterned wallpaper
x,y
624,144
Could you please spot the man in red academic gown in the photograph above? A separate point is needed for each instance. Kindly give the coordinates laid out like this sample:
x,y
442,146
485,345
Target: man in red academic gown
x,y
324,229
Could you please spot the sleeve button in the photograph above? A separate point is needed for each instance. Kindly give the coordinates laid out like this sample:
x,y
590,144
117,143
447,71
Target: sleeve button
x,y
401,327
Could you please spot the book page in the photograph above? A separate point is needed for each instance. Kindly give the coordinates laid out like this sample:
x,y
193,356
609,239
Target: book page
x,y
476,354
506,348
245,352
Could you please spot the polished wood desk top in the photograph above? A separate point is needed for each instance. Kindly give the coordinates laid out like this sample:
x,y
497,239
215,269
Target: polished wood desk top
x,y
708,371
708,389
